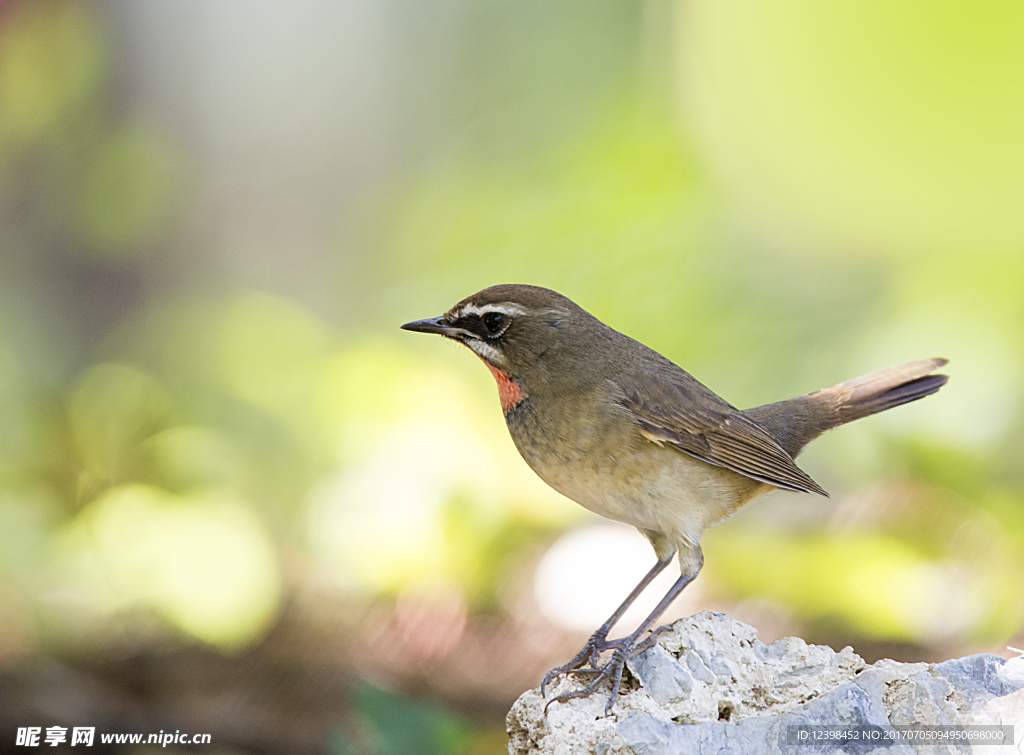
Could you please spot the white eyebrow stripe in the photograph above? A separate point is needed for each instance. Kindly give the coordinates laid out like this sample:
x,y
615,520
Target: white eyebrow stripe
x,y
485,350
506,308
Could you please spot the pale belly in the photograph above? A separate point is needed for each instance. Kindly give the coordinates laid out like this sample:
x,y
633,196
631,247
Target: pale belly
x,y
620,475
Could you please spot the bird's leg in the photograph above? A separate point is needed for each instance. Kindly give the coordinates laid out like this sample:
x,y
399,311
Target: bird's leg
x,y
598,642
623,650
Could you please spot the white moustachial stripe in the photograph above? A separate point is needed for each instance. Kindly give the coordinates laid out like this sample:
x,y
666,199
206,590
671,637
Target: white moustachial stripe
x,y
485,350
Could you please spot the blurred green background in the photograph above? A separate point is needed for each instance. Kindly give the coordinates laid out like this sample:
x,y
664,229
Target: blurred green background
x,y
236,499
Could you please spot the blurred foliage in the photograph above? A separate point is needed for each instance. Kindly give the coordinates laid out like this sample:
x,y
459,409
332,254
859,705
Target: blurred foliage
x,y
127,191
876,123
52,59
778,196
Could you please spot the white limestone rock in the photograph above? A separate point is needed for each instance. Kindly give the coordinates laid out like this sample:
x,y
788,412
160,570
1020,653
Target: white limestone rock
x,y
710,686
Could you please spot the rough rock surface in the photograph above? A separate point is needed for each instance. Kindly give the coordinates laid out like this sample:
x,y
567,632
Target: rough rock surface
x,y
710,686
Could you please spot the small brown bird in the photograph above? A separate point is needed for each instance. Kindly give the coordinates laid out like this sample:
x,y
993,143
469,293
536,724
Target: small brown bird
x,y
626,433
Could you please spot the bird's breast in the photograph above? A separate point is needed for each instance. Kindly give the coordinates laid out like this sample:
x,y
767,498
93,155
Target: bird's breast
x,y
596,457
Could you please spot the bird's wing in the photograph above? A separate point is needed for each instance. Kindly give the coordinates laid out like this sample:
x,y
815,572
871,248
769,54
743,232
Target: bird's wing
x,y
697,422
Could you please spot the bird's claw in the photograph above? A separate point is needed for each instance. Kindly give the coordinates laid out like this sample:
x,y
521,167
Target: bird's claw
x,y
612,669
591,653
622,650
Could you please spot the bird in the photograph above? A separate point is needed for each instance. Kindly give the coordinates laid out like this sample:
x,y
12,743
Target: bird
x,y
625,432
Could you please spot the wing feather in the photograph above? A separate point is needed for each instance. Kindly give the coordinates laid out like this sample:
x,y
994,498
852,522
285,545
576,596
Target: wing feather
x,y
714,432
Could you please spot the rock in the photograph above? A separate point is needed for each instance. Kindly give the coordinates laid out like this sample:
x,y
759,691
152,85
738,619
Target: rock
x,y
979,678
710,686
661,675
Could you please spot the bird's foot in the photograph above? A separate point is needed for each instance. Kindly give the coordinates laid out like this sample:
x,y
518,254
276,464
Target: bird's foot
x,y
591,653
622,650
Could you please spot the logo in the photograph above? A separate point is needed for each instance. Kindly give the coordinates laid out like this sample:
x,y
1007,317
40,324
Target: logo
x,y
29,736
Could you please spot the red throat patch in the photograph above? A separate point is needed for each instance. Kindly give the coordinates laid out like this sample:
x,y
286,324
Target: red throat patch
x,y
509,392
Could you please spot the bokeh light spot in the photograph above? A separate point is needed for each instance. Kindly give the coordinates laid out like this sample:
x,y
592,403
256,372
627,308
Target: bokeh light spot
x,y
587,572
51,58
128,191
113,409
205,563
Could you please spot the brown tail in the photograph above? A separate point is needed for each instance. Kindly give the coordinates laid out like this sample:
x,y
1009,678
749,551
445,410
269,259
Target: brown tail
x,y
797,422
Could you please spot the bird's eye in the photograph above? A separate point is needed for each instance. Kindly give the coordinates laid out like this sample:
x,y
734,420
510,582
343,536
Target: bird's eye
x,y
494,322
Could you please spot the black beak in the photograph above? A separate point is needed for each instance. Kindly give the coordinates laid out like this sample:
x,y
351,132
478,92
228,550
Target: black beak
x,y
432,325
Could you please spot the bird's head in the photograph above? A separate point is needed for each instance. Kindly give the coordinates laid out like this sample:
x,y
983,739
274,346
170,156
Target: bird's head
x,y
521,333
